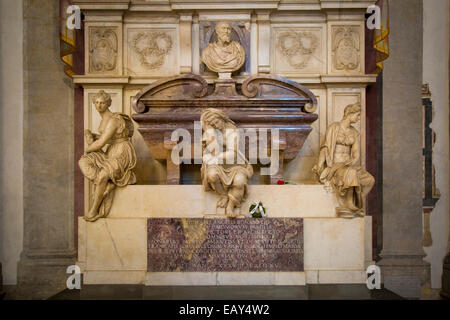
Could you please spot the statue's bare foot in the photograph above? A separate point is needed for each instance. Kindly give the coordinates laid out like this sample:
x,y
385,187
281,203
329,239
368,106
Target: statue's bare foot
x,y
230,211
222,203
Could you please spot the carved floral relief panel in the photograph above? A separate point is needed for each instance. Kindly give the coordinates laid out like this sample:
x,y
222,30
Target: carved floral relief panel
x,y
103,50
346,49
298,50
151,51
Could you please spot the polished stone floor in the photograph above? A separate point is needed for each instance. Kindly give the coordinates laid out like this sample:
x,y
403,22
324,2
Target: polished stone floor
x,y
310,292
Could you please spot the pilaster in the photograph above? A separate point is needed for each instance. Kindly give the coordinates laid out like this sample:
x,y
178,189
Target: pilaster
x,y
48,246
403,269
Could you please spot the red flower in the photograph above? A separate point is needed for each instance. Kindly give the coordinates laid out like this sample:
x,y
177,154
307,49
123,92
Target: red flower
x,y
280,182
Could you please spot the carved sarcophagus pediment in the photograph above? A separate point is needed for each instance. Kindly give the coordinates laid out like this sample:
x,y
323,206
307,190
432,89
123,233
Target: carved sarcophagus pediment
x,y
261,101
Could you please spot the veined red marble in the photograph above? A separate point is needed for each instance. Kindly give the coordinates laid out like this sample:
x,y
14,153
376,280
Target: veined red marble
x,y
213,245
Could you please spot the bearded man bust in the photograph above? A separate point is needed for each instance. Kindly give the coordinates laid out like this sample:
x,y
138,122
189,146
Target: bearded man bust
x,y
223,55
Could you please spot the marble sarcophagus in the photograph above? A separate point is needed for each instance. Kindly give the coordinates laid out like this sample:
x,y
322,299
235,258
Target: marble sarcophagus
x,y
261,101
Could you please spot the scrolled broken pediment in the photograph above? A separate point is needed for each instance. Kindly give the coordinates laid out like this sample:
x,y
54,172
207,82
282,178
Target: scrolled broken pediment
x,y
185,87
272,86
256,91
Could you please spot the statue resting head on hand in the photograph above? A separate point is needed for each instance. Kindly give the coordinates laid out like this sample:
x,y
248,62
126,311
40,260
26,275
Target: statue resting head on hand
x,y
228,179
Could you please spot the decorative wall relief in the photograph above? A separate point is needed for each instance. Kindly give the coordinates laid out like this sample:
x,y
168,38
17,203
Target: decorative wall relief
x,y
152,47
297,51
151,51
297,47
338,166
346,48
103,48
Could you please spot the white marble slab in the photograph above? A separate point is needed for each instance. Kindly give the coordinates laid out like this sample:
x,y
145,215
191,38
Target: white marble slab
x,y
190,201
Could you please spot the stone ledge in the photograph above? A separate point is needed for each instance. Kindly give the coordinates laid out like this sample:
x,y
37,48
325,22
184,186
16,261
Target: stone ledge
x,y
311,79
190,201
114,277
225,278
335,276
268,5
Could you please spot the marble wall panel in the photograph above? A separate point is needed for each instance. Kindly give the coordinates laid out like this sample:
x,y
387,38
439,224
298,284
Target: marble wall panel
x,y
338,99
103,43
214,245
299,169
116,244
334,244
298,49
151,50
346,48
148,170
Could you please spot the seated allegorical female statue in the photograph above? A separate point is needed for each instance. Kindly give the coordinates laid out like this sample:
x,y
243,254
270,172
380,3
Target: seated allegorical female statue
x,y
224,168
339,164
112,167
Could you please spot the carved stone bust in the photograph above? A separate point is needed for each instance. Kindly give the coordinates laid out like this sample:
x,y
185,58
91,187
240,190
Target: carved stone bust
x,y
223,55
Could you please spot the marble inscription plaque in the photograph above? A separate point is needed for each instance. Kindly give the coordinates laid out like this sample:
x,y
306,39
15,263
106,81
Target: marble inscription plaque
x,y
212,245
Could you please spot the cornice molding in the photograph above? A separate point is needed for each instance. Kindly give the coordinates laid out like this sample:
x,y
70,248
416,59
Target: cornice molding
x,y
230,5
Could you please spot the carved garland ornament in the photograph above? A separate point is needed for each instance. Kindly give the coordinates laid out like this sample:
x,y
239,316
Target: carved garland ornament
x,y
152,47
346,48
102,50
298,47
